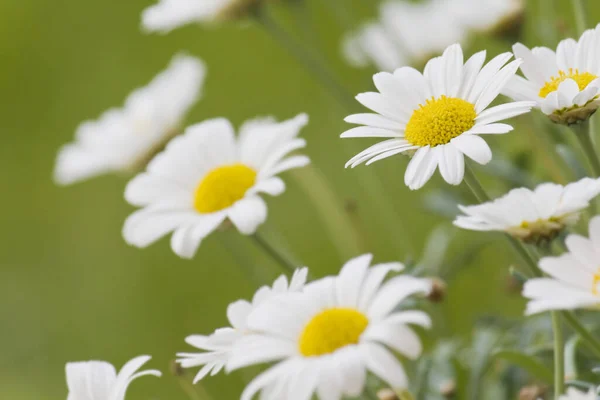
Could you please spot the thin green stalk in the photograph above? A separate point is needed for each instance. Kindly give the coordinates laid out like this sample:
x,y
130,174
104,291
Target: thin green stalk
x,y
288,265
342,232
559,356
590,341
481,196
305,57
580,20
583,132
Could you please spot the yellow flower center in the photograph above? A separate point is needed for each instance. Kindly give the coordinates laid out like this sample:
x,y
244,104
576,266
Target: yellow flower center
x,y
330,330
440,120
596,284
222,187
582,80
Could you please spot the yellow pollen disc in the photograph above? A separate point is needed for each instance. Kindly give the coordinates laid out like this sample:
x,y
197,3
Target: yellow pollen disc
x,y
582,80
440,120
330,330
596,284
222,187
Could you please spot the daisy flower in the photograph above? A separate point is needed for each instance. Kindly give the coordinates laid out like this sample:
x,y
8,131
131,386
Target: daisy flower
x,y
436,116
490,15
125,139
564,84
207,176
532,215
574,280
217,347
574,394
98,380
330,334
167,15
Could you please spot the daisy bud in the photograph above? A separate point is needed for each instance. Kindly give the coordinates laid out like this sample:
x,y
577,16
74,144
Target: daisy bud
x,y
448,389
387,394
438,290
532,392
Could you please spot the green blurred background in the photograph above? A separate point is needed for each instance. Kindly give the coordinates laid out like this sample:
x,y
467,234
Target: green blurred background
x,y
71,289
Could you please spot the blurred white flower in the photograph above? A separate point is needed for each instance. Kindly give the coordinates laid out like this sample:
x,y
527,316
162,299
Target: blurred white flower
x,y
124,139
167,15
98,380
331,333
488,15
574,276
217,347
574,394
403,35
436,115
564,84
532,215
207,176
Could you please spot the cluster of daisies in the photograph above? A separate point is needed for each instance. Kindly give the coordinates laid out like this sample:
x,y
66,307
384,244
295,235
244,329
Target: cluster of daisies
x,y
324,337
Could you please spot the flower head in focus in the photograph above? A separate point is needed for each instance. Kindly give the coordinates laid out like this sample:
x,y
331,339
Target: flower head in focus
x,y
98,380
167,15
437,116
574,280
207,176
329,335
532,215
565,84
575,394
125,139
218,346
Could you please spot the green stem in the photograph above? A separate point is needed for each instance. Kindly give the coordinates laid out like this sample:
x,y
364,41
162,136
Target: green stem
x,y
583,132
592,343
559,356
580,20
342,232
481,195
305,57
281,259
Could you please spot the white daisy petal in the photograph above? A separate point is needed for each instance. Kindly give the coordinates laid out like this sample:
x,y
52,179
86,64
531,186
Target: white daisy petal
x,y
248,214
451,163
473,147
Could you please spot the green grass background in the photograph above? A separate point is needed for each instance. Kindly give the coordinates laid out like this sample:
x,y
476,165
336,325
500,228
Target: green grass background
x,y
71,289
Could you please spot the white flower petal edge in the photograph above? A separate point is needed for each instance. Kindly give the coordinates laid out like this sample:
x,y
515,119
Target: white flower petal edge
x,y
92,380
564,84
288,328
122,139
418,113
218,346
574,276
575,394
531,214
206,176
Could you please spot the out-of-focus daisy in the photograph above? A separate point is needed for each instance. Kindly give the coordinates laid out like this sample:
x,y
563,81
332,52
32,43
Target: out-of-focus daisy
x,y
494,16
437,116
217,347
330,334
207,176
532,215
574,276
373,44
564,84
574,394
98,380
167,15
124,140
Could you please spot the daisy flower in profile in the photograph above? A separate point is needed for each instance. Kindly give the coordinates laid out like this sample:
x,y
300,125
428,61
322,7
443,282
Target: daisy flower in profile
x,y
217,347
207,176
167,15
565,84
125,139
494,16
574,280
436,116
532,215
574,394
329,335
98,380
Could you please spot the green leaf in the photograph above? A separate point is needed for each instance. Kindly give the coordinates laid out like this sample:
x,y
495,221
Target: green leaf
x,y
529,363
